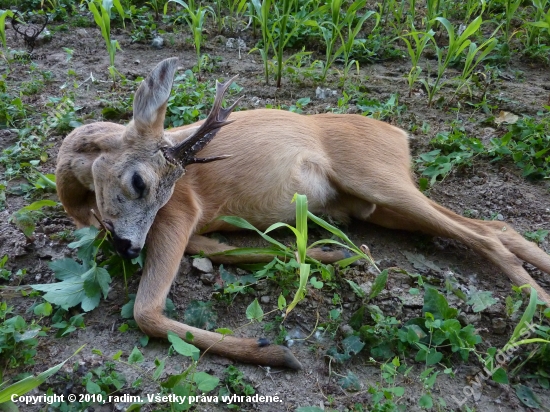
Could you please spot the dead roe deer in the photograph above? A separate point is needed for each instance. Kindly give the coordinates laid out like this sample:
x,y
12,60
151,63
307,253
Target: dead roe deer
x,y
149,188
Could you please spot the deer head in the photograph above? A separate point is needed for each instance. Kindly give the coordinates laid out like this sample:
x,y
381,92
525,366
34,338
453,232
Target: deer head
x,y
136,176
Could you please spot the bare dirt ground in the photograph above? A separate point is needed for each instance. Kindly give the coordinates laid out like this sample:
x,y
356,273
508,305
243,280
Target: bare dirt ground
x,y
485,190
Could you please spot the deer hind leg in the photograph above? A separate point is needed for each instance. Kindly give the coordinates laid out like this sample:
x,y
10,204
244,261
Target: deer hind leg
x,y
202,244
410,210
512,240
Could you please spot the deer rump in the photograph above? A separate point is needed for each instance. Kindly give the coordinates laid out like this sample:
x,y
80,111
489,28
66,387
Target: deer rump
x,y
347,165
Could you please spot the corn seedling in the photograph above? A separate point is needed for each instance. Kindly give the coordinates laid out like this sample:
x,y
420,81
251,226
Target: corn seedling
x,y
28,384
335,29
476,54
352,31
102,17
412,10
299,252
195,20
236,9
456,46
158,6
3,15
415,51
282,39
277,35
218,15
542,18
330,33
434,9
473,8
510,9
261,15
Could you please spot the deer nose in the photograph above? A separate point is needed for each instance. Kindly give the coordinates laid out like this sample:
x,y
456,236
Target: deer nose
x,y
124,248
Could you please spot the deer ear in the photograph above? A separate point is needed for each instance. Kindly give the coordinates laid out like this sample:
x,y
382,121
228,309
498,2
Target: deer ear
x,y
151,98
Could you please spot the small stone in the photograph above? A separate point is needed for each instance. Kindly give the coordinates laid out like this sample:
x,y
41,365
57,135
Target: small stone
x,y
474,213
203,264
137,61
265,299
469,318
346,330
366,287
495,310
323,94
219,39
412,301
157,42
499,326
500,217
208,279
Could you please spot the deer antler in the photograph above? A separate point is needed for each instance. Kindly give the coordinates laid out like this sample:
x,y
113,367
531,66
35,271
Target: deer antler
x,y
184,153
30,33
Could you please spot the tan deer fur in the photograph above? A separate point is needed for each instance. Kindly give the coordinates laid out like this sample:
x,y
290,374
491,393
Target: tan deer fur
x,y
347,165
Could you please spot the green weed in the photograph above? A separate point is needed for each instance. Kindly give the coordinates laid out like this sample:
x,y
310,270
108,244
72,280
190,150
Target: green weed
x,y
83,283
18,339
527,144
537,236
102,17
453,149
195,18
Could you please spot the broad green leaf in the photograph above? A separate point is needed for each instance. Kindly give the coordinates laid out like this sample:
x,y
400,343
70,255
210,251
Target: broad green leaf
x,y
224,331
67,268
425,402
350,382
44,309
436,304
281,302
92,387
352,345
480,300
24,222
500,376
182,347
85,242
528,397
317,284
379,284
254,311
135,357
40,204
205,382
66,294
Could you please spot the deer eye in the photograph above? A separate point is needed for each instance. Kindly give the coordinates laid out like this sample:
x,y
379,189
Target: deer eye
x,y
138,184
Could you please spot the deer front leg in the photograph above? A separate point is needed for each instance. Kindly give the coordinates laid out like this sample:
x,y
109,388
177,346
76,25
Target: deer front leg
x,y
165,247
